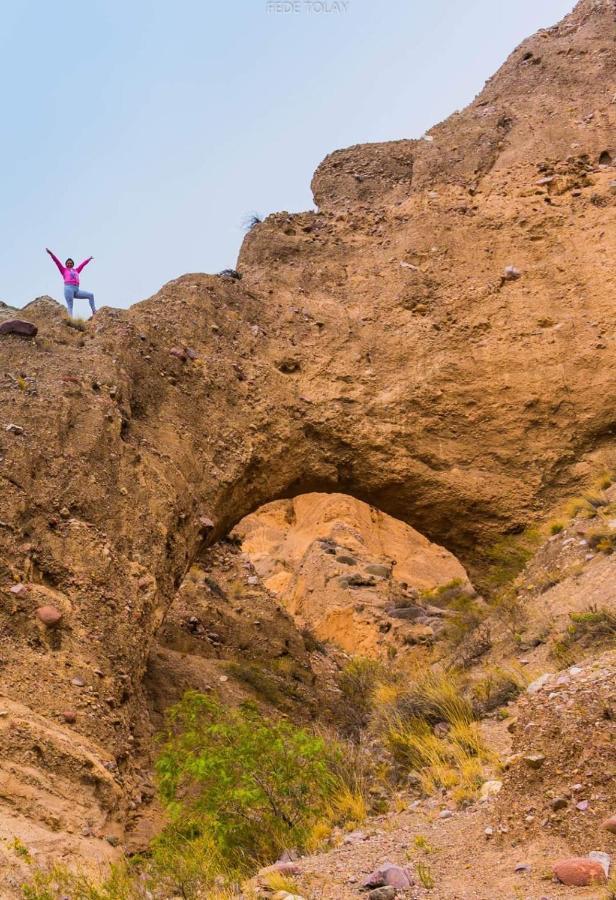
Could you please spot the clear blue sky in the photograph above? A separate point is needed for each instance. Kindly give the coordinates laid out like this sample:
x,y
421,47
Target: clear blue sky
x,y
144,132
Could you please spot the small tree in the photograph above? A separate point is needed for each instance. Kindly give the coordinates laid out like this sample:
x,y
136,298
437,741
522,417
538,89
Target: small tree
x,y
254,786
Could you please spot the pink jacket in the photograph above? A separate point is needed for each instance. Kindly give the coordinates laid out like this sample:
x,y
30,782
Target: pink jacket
x,y
70,276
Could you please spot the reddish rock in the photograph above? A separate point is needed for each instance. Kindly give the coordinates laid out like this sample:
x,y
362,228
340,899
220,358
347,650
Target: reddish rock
x,y
389,875
18,326
579,871
178,352
610,824
49,615
69,716
399,877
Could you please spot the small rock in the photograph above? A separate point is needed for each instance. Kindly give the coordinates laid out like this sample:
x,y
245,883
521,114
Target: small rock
x,y
489,831
49,615
445,814
538,683
78,681
578,871
389,875
347,560
522,868
112,839
383,893
14,429
355,837
610,824
490,789
3,713
283,867
511,273
534,760
19,589
582,805
69,716
398,877
18,326
559,803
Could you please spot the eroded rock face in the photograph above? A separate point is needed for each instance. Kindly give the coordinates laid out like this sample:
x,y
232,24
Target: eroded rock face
x,y
421,381
349,572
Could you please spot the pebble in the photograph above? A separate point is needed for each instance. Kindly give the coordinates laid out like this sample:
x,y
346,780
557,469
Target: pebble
x,y
522,869
78,682
382,893
559,803
538,683
14,429
582,805
490,789
445,814
69,716
534,760
49,615
19,589
511,273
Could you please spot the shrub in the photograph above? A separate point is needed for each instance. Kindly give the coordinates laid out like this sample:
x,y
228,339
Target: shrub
x,y
444,758
254,786
358,681
274,686
59,882
425,876
592,625
602,539
434,698
497,687
506,557
251,220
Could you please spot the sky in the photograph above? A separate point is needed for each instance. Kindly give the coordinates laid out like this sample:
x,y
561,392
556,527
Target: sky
x,y
144,133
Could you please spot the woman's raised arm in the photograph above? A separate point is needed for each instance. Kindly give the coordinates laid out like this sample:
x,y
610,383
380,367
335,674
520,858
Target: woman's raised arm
x,y
56,260
84,263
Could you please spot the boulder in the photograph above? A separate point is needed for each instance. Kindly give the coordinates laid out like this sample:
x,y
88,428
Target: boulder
x,y
579,871
18,326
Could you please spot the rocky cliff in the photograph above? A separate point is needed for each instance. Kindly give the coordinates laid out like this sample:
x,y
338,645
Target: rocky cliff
x,y
437,340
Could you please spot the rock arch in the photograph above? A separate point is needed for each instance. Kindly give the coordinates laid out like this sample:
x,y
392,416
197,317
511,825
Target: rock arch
x,y
377,347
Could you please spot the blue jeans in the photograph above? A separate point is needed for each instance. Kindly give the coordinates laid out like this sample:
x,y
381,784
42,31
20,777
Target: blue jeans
x,y
72,292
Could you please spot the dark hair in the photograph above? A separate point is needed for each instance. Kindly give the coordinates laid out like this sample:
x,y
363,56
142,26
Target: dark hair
x,y
69,259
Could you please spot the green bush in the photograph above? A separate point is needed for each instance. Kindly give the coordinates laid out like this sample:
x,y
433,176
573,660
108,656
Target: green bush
x,y
254,786
358,681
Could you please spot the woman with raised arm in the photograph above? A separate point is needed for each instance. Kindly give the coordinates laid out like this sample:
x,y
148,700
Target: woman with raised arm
x,y
70,274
